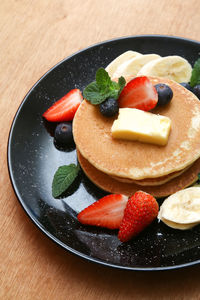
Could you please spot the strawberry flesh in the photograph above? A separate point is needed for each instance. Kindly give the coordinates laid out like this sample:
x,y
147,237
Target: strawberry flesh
x,y
140,212
65,108
139,93
106,212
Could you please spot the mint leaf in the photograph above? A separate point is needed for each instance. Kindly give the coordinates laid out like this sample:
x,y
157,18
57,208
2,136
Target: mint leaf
x,y
92,93
113,90
103,88
199,176
116,88
63,178
121,83
103,80
195,78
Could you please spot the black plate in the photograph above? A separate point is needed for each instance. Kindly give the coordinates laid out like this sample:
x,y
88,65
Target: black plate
x,y
33,160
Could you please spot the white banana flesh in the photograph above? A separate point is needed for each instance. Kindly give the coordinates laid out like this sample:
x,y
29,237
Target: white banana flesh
x,y
182,209
179,226
112,67
172,67
132,66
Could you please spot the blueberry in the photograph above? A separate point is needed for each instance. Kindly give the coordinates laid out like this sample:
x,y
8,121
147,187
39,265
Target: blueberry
x,y
196,90
187,86
63,134
165,93
109,108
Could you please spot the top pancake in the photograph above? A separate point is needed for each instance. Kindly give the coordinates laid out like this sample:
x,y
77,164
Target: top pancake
x,y
137,160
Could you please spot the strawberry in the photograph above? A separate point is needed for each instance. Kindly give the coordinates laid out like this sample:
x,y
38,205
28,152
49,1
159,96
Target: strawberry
x,y
139,93
140,211
65,108
106,212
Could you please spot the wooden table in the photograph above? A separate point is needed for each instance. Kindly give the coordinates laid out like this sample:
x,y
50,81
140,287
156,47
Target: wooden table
x,y
35,35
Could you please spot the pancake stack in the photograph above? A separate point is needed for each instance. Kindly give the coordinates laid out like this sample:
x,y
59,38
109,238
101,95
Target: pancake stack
x,y
121,166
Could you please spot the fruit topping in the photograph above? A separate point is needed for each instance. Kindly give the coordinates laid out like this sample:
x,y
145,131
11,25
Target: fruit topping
x,y
187,86
63,134
165,93
141,210
181,210
106,212
139,93
130,215
65,108
119,60
132,67
196,90
109,108
173,67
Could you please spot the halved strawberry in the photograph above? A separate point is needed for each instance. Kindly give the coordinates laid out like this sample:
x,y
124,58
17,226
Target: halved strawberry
x,y
139,93
65,108
141,210
106,212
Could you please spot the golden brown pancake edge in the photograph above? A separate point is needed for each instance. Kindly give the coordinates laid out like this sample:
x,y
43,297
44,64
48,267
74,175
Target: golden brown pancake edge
x,y
111,185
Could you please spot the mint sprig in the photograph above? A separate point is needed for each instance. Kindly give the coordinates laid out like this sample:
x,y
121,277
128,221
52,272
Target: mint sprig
x,y
103,80
101,89
63,178
195,77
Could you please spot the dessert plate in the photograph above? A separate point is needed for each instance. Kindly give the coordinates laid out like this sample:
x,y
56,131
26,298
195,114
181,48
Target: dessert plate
x,y
33,160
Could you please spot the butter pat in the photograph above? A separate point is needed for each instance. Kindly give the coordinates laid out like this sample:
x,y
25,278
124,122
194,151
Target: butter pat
x,y
137,125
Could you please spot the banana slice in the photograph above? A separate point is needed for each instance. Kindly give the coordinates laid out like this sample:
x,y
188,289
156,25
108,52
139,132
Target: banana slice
x,y
182,207
179,226
132,66
171,67
112,67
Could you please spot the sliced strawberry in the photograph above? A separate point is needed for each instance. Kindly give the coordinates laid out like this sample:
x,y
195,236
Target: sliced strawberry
x,y
65,108
141,210
106,212
139,93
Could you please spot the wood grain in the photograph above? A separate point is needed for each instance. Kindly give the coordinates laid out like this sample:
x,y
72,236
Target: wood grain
x,y
35,35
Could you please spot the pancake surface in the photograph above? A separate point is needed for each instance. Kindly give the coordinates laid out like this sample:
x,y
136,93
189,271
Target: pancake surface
x,y
136,160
